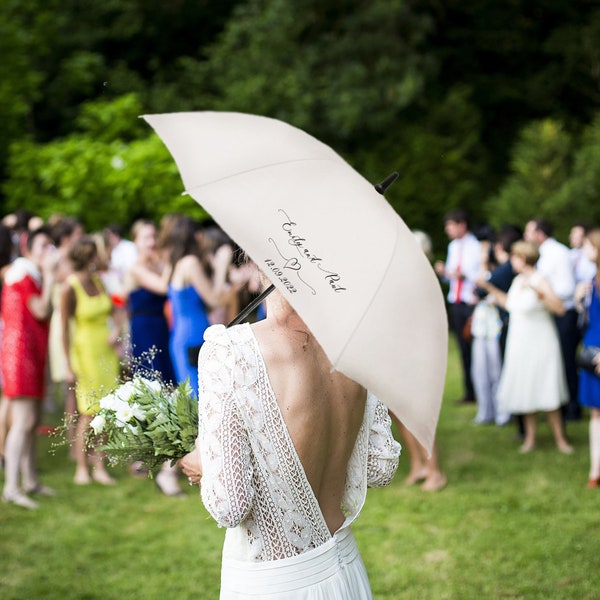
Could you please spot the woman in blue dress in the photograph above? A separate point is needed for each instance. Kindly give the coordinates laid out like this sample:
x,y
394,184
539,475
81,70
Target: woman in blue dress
x,y
589,383
146,283
193,292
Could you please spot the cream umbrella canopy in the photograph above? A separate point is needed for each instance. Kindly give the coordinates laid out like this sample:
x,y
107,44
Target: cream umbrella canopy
x,y
331,244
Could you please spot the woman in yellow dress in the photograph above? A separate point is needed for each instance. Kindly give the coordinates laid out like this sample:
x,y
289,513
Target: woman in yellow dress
x,y
93,363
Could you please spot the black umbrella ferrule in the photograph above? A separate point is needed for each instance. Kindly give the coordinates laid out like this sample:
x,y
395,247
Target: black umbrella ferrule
x,y
385,184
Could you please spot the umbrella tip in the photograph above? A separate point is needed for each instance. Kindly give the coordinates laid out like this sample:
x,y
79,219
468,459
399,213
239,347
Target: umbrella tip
x,y
385,184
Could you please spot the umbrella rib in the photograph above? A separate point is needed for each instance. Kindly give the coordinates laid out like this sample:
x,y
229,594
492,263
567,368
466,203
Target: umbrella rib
x,y
277,164
375,293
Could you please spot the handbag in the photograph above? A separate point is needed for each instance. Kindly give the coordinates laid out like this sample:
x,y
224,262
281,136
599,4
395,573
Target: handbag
x,y
192,355
588,358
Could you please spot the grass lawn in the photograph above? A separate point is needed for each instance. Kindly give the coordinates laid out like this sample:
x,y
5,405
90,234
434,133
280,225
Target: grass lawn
x,y
507,526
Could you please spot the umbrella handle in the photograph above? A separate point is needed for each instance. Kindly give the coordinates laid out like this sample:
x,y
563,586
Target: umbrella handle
x,y
385,184
246,311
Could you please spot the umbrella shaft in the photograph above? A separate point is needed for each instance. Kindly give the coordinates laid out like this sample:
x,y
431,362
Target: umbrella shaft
x,y
251,306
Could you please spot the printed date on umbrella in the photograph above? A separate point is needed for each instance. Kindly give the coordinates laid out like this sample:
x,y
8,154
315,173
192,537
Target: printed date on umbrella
x,y
291,266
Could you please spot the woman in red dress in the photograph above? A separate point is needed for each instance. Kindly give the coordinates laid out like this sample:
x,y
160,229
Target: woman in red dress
x,y
26,310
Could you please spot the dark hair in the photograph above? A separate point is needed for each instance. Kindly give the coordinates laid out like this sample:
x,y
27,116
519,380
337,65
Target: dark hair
x,y
544,225
508,235
83,251
23,217
43,230
457,215
484,232
115,228
585,225
64,228
6,245
183,240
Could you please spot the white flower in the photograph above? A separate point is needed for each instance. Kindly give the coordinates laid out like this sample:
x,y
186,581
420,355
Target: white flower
x,y
112,403
151,384
137,412
126,412
98,423
126,391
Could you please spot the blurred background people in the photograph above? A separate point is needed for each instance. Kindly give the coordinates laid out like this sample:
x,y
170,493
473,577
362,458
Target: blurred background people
x,y
26,309
584,269
122,251
533,377
92,361
424,469
145,287
192,294
556,266
65,232
461,270
589,383
6,257
489,327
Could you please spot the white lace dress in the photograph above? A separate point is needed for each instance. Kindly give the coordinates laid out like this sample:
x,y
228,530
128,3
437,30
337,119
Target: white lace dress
x,y
277,544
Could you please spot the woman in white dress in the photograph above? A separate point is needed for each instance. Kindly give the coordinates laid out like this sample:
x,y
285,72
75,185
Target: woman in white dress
x,y
533,377
286,450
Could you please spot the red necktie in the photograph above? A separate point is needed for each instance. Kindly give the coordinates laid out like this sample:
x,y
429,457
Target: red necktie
x,y
459,282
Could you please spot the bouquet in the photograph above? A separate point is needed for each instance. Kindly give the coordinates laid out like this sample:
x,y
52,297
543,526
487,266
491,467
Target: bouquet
x,y
147,421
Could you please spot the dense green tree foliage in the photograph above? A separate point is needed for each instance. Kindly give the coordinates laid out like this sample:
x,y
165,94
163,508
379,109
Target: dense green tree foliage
x,y
482,104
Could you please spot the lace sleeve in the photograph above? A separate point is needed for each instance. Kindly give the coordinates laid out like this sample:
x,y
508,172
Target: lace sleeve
x,y
227,490
384,450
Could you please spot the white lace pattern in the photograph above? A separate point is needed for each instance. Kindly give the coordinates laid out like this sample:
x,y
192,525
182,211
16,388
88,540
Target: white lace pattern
x,y
253,479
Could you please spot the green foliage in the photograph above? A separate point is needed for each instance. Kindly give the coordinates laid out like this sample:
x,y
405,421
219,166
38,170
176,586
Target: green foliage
x,y
343,75
441,162
102,174
440,91
540,164
578,198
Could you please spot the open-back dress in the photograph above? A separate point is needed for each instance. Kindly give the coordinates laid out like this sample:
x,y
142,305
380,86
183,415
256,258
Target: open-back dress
x,y
277,544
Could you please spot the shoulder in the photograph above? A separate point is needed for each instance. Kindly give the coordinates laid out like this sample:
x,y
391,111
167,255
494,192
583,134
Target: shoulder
x,y
189,261
221,342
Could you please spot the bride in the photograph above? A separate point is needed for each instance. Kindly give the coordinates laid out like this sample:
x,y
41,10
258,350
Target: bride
x,y
285,452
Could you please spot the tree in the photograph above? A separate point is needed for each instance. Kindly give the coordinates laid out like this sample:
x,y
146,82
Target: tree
x,y
539,167
579,196
113,170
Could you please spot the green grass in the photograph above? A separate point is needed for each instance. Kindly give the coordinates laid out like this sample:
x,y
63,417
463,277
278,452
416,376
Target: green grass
x,y
507,526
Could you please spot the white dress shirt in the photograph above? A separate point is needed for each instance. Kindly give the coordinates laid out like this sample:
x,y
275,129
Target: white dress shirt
x,y
583,267
556,266
464,256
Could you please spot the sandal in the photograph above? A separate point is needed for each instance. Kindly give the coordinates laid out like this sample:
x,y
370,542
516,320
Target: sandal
x,y
20,499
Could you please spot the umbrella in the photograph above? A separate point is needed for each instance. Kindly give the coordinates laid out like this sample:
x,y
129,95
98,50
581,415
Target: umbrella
x,y
330,243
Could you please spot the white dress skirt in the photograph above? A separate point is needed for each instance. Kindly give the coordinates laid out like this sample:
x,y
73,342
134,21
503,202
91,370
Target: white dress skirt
x,y
533,375
333,571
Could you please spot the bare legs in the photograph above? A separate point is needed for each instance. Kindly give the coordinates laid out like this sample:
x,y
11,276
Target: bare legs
x,y
166,480
594,479
4,423
556,425
84,457
422,468
20,451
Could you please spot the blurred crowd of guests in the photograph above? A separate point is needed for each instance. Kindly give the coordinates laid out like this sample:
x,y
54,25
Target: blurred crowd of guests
x,y
80,308
522,305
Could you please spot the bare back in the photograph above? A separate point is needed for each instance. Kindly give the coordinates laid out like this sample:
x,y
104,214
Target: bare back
x,y
323,411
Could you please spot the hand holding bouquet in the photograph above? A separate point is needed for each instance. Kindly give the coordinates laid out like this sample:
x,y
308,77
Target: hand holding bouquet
x,y
145,420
